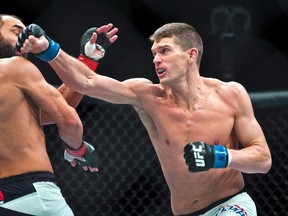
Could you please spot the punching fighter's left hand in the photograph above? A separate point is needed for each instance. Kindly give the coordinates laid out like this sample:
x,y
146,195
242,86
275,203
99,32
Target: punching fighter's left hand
x,y
200,156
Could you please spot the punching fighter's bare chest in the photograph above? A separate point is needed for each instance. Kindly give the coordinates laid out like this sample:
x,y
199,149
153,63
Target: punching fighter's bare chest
x,y
209,124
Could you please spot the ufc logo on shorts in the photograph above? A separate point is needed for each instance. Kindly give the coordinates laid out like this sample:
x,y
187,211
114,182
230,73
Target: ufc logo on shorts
x,y
199,159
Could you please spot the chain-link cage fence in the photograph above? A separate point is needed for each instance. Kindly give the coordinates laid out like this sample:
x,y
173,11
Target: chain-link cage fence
x,y
270,191
130,181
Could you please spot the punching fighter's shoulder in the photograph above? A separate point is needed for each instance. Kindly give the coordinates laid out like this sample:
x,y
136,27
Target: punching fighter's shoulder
x,y
141,85
233,93
137,82
231,89
225,89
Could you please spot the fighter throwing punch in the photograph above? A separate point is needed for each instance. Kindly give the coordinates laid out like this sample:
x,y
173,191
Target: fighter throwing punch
x,y
27,102
202,118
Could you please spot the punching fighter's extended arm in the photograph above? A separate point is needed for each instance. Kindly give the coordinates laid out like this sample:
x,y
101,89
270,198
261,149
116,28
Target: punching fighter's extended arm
x,y
200,156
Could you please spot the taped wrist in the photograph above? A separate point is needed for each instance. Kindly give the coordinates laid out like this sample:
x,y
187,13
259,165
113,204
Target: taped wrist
x,y
229,157
221,157
76,152
51,53
88,62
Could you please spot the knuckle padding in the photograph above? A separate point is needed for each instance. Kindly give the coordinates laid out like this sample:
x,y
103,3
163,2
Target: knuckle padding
x,y
32,29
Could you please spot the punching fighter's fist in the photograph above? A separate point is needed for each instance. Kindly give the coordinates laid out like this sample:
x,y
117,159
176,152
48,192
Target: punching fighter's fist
x,y
200,156
85,156
94,44
46,48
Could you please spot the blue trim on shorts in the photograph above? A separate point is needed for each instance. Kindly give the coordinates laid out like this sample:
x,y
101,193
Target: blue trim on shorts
x,y
218,202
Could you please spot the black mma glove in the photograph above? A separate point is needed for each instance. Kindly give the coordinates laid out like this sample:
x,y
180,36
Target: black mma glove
x,y
85,155
33,29
200,156
87,51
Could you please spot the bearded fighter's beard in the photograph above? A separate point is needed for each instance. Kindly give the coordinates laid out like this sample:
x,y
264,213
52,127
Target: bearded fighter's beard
x,y
7,50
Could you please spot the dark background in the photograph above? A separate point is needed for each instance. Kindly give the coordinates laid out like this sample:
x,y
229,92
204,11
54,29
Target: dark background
x,y
244,41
